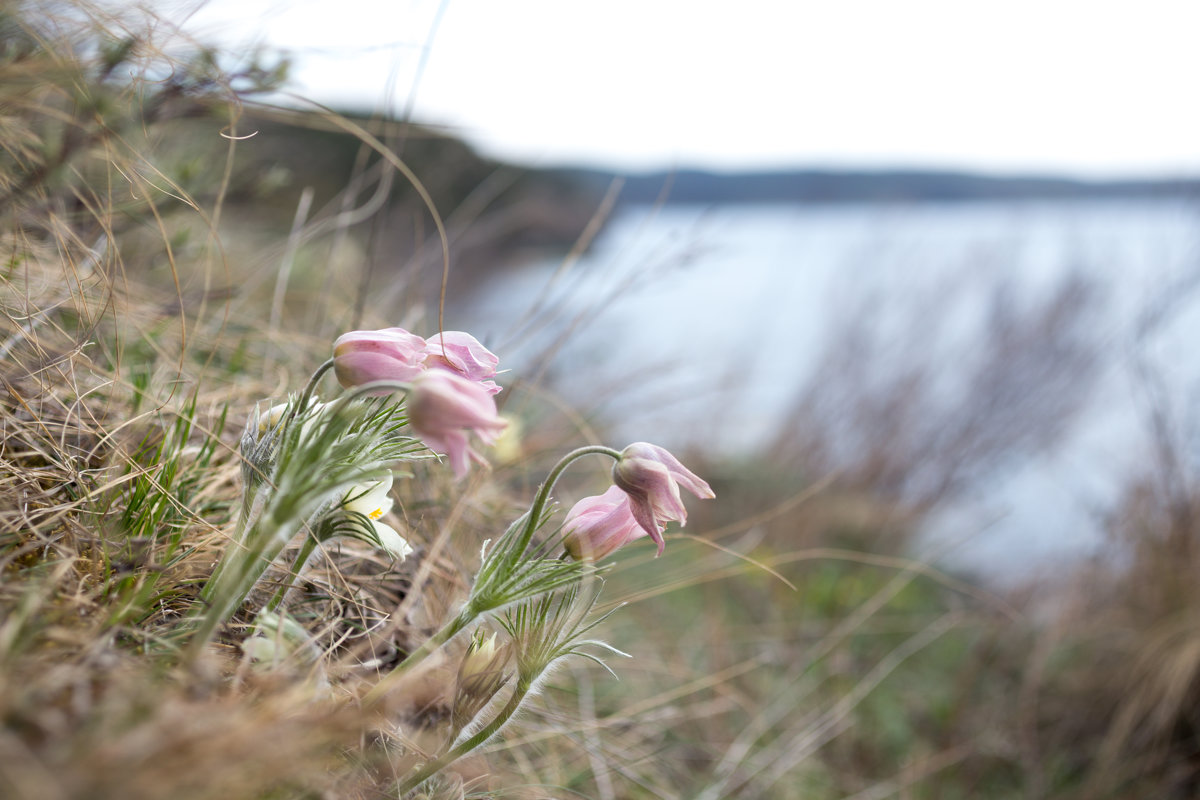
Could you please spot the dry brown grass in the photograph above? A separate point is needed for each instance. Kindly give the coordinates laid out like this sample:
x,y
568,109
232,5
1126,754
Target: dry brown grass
x,y
788,649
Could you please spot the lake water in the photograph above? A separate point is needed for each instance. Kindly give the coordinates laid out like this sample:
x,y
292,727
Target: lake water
x,y
696,327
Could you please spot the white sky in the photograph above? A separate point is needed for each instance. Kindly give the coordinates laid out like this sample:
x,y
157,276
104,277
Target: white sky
x,y
1095,88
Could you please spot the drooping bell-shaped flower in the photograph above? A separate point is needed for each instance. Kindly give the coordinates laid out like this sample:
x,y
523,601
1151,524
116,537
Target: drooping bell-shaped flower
x,y
651,477
444,406
373,501
389,354
596,526
462,353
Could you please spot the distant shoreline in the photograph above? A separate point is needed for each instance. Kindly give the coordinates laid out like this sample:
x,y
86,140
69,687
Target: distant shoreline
x,y
821,186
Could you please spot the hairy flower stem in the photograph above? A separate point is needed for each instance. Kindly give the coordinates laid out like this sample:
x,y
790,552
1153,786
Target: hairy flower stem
x,y
431,768
309,388
305,553
292,493
543,495
229,586
373,388
475,607
448,632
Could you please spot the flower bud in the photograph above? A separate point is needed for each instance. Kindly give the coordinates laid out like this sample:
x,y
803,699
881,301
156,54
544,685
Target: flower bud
x,y
390,354
482,667
265,423
275,637
480,675
270,420
651,477
444,406
596,526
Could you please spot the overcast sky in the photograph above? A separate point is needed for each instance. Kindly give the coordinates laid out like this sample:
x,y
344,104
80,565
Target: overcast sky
x,y
1069,86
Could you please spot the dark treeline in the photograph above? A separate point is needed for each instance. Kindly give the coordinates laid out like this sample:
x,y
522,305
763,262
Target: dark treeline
x,y
315,152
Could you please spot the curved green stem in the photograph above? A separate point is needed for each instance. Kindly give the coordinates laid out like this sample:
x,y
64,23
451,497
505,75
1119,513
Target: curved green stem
x,y
543,495
302,557
431,768
225,591
375,387
448,632
477,604
309,388
502,568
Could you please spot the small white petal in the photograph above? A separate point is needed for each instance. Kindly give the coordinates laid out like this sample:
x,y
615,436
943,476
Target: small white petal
x,y
391,541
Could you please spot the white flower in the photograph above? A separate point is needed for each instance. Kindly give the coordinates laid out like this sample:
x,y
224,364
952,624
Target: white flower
x,y
373,501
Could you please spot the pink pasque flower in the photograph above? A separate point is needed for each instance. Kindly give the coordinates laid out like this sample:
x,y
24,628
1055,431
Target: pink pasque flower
x,y
390,354
651,477
462,353
596,526
444,406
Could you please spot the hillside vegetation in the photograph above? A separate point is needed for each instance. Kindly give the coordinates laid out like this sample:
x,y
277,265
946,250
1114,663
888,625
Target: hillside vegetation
x,y
179,617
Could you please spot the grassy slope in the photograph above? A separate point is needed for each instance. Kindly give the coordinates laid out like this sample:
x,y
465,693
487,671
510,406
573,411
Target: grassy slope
x,y
787,651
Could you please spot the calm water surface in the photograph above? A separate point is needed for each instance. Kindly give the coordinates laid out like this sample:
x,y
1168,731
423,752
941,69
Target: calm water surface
x,y
696,327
